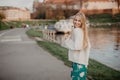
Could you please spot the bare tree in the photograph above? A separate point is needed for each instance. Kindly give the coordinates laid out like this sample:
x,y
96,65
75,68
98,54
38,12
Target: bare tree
x,y
81,3
118,4
49,12
59,14
2,16
69,11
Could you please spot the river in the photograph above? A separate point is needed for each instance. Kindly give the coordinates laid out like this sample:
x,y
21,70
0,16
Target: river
x,y
105,44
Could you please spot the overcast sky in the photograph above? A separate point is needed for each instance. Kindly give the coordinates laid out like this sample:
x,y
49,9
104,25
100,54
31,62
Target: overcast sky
x,y
18,3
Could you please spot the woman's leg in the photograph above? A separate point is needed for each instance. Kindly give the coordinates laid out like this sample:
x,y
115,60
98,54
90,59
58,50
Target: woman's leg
x,y
78,72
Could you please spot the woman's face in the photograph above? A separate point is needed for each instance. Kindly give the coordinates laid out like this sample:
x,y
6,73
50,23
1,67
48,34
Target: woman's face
x,y
77,22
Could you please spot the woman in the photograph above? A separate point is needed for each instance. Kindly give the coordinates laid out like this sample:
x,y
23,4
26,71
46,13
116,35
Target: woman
x,y
79,47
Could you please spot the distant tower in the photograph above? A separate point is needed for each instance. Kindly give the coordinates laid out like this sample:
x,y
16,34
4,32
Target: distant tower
x,y
35,5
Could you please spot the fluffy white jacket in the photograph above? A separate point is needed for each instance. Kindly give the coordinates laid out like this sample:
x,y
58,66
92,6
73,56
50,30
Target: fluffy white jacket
x,y
76,53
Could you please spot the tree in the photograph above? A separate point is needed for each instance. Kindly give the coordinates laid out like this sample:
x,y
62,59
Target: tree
x,y
49,13
118,4
68,11
2,16
81,3
58,13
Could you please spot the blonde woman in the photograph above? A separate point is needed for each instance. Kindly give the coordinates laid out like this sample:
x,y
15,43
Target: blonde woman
x,y
79,47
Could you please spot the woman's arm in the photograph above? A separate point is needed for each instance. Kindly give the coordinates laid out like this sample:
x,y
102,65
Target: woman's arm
x,y
77,41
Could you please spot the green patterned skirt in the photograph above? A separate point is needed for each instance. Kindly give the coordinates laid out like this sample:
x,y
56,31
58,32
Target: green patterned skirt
x,y
79,72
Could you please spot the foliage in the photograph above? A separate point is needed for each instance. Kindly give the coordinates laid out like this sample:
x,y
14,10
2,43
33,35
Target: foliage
x,y
118,3
7,24
103,18
2,16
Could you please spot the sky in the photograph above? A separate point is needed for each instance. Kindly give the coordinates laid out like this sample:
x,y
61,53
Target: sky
x,y
18,3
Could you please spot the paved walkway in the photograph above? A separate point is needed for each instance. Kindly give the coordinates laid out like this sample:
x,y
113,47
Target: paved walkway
x,y
22,59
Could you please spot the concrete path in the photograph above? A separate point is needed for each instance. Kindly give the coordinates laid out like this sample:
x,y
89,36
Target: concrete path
x,y
22,59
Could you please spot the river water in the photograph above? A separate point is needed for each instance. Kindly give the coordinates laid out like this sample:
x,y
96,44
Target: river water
x,y
105,44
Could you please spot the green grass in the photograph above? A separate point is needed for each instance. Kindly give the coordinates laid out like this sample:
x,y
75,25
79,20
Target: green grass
x,y
96,18
101,72
56,50
96,70
34,32
104,18
18,24
3,26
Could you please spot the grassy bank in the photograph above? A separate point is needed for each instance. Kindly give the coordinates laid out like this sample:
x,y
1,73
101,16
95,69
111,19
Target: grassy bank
x,y
94,19
14,24
104,18
97,70
34,33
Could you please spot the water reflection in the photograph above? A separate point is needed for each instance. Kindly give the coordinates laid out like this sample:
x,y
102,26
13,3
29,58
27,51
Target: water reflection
x,y
105,38
116,32
106,46
100,38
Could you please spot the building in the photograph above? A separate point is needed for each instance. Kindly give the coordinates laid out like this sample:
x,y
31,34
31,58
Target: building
x,y
100,6
13,13
89,6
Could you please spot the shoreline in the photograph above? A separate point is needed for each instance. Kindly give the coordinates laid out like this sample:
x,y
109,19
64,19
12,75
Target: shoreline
x,y
104,24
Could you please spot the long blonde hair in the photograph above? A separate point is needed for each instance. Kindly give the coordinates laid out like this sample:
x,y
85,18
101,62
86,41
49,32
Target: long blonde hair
x,y
84,28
